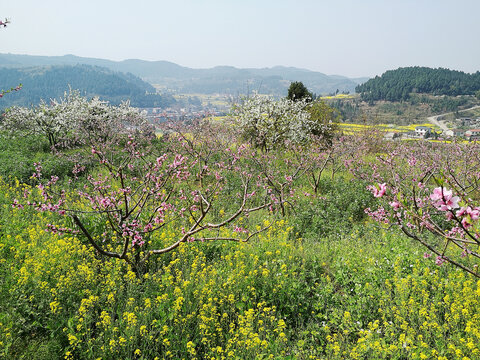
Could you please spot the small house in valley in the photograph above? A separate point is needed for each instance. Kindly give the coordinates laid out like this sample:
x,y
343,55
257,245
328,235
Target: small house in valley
x,y
423,131
455,132
391,135
472,134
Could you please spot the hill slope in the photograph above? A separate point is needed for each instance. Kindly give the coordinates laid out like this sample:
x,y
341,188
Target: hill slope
x,y
397,85
47,82
220,79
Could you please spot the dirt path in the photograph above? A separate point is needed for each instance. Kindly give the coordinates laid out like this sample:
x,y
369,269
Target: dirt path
x,y
441,124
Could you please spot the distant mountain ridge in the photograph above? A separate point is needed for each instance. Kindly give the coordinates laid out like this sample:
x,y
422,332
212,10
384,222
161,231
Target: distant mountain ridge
x,y
51,81
220,79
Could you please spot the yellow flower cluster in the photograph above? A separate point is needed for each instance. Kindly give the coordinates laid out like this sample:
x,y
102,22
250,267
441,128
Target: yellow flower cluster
x,y
412,321
228,300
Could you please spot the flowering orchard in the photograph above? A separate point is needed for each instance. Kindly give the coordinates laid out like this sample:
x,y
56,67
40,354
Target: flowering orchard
x,y
136,191
187,179
197,245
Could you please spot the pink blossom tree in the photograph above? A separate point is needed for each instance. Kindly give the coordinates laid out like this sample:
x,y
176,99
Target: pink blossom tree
x,y
201,193
432,192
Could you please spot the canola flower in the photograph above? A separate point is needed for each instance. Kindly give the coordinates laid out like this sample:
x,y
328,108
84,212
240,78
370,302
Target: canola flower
x,y
224,301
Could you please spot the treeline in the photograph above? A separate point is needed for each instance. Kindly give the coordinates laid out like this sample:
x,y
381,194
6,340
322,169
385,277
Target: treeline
x,y
399,84
49,82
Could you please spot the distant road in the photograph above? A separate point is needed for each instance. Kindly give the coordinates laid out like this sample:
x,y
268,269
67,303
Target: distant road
x,y
441,124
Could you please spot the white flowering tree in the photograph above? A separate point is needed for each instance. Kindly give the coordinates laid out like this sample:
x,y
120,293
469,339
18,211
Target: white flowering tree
x,y
73,119
269,123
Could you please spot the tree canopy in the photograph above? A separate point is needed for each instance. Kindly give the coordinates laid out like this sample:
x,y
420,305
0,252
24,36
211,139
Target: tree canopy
x,y
269,124
397,85
50,82
73,119
297,91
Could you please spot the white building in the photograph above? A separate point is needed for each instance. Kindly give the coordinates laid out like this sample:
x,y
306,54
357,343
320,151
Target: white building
x,y
423,131
473,134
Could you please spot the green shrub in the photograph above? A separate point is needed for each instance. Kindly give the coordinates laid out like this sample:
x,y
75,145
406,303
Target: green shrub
x,y
340,205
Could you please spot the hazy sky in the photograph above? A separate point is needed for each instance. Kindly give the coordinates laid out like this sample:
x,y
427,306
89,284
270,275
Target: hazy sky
x,y
347,37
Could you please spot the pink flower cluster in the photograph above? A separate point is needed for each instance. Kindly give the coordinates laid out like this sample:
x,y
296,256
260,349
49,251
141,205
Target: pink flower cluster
x,y
379,190
59,230
468,214
239,229
444,200
16,204
379,215
395,204
440,260
467,210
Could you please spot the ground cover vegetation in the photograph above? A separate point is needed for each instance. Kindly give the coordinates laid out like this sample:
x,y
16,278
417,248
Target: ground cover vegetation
x,y
206,243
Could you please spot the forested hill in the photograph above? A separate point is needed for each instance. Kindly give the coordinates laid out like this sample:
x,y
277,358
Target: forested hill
x,y
220,79
397,85
48,82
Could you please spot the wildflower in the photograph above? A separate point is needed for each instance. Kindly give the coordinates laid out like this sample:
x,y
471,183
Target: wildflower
x,y
54,306
191,348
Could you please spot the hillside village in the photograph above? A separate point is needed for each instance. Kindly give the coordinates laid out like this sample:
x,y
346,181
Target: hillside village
x,y
466,129
159,115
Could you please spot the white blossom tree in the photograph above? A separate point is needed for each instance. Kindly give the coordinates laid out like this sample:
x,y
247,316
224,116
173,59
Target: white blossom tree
x,y
73,119
269,123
